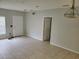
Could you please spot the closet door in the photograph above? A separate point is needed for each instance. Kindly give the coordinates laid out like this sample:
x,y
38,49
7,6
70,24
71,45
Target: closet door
x,y
17,25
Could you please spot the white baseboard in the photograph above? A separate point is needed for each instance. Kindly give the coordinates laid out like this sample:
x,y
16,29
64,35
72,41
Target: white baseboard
x,y
34,37
65,48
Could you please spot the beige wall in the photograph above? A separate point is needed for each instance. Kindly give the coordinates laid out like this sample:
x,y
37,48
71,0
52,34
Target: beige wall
x,y
9,14
65,32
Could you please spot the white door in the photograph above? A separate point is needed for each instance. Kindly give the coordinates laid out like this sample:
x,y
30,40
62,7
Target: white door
x,y
47,28
17,25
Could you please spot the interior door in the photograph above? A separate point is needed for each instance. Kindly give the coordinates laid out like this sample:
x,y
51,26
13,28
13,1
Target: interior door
x,y
47,28
17,25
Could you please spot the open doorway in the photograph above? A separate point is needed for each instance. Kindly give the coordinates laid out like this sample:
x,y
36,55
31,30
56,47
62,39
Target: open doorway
x,y
47,28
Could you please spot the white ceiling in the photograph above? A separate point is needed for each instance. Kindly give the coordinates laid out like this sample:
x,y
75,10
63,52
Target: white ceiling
x,y
28,5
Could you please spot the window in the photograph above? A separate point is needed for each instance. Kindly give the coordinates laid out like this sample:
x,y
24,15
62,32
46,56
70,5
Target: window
x,y
2,25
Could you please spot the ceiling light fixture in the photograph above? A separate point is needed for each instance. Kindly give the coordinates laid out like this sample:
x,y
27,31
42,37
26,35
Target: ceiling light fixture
x,y
72,12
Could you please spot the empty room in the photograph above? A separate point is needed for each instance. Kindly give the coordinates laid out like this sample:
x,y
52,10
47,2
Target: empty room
x,y
39,29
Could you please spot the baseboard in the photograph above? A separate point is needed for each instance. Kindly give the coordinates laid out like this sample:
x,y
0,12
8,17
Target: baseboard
x,y
65,48
2,38
33,37
19,36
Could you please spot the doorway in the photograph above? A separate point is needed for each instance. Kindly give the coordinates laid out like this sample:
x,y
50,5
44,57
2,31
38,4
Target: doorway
x,y
47,28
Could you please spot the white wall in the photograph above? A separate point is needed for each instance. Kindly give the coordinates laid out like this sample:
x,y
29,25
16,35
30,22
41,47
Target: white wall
x,y
65,32
34,25
9,15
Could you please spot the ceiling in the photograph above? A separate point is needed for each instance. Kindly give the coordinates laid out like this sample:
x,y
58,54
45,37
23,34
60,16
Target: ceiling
x,y
27,5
